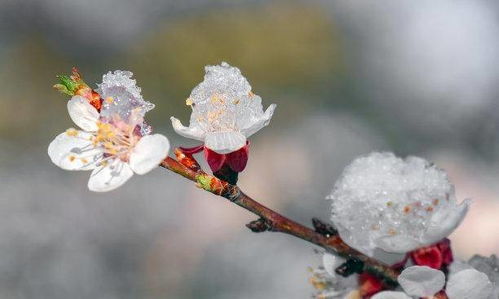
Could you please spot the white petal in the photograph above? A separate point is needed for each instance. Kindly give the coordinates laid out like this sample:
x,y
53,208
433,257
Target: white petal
x,y
330,262
421,281
444,222
109,177
469,284
148,153
390,295
188,132
225,142
83,114
73,150
263,121
397,243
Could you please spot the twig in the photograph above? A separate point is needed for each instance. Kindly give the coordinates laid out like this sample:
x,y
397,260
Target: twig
x,y
324,235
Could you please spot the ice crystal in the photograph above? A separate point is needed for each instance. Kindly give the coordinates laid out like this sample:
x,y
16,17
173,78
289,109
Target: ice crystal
x,y
121,95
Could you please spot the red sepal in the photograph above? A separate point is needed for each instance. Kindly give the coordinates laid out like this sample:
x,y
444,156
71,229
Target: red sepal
x,y
95,100
369,285
215,160
446,251
428,256
237,160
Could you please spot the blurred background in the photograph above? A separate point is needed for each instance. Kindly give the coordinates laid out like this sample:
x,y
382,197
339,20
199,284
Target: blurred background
x,y
348,77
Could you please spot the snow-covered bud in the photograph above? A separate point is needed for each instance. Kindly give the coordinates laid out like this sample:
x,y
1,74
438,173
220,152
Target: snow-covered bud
x,y
225,112
382,201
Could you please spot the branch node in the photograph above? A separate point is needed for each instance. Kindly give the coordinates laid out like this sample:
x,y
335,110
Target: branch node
x,y
259,225
324,229
232,192
350,267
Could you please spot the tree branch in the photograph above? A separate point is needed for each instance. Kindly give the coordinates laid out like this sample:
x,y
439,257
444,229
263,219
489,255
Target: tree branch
x,y
324,235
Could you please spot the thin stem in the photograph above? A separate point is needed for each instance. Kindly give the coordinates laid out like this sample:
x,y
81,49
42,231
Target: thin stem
x,y
273,221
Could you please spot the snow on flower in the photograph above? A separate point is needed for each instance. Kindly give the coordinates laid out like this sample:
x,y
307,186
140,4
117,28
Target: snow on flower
x,y
115,143
382,201
224,110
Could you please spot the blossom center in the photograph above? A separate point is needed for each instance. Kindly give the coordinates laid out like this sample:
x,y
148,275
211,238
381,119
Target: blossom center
x,y
116,139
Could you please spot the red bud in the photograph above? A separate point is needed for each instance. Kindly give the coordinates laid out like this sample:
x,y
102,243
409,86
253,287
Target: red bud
x,y
428,256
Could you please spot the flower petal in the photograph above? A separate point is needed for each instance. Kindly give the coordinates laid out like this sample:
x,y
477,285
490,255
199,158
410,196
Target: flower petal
x,y
263,121
148,153
330,262
444,222
83,114
110,176
225,142
421,281
468,284
188,132
397,243
390,295
73,150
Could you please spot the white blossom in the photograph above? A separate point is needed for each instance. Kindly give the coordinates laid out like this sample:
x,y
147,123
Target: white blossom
x,y
114,144
382,201
224,110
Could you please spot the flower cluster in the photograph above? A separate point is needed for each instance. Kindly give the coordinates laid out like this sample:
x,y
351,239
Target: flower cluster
x,y
384,205
398,211
114,141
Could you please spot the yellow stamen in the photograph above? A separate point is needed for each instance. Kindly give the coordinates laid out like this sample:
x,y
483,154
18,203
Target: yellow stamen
x,y
71,132
109,100
189,102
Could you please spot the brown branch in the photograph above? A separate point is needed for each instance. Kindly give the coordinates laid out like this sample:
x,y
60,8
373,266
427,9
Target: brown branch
x,y
324,235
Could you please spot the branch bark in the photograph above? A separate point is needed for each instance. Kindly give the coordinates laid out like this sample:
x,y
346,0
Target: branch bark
x,y
270,220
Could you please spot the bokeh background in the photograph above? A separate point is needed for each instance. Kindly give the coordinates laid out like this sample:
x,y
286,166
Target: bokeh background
x,y
348,77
